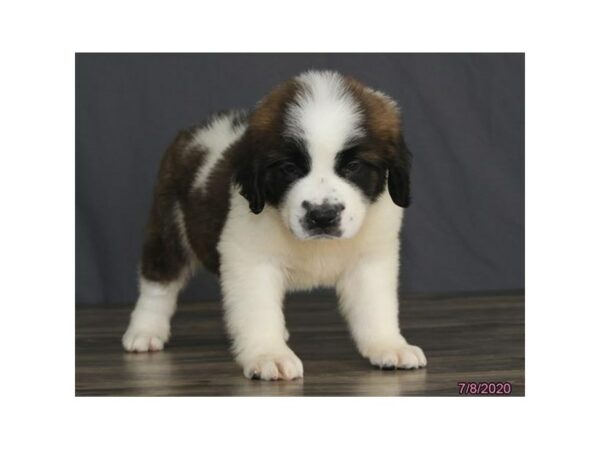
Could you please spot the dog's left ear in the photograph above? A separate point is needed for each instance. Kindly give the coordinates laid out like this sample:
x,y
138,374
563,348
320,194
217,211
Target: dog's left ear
x,y
249,176
399,174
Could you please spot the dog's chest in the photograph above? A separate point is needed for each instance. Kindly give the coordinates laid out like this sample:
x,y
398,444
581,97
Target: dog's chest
x,y
319,265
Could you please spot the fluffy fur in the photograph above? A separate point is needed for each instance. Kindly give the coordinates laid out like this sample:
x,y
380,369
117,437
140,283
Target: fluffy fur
x,y
306,190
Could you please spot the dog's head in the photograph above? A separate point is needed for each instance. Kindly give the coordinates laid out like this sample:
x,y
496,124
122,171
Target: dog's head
x,y
321,148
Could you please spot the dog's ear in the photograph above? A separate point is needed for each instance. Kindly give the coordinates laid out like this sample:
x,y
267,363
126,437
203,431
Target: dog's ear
x,y
248,175
399,174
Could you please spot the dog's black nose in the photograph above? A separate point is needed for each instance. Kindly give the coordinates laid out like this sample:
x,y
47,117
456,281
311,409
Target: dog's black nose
x,y
322,216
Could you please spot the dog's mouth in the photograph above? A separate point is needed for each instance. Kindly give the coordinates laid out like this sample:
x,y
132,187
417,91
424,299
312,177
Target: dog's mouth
x,y
323,233
316,237
305,234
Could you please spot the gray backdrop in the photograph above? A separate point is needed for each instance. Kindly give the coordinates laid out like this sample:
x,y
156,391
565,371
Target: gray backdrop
x,y
464,122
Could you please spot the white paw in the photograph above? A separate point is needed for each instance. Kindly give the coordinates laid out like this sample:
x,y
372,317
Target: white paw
x,y
284,365
398,356
142,342
146,337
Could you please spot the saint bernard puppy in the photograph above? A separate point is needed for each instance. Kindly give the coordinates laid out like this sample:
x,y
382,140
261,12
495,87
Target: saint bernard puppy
x,y
306,190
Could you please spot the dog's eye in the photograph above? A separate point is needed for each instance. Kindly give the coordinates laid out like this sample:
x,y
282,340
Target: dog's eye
x,y
353,166
289,168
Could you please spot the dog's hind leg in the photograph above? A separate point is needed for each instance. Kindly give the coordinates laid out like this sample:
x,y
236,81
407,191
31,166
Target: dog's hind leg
x,y
166,266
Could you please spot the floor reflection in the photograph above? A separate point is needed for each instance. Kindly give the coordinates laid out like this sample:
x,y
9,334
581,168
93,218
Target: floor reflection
x,y
149,373
256,388
368,383
158,374
389,382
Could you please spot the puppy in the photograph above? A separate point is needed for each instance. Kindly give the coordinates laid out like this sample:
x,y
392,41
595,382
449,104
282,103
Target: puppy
x,y
306,190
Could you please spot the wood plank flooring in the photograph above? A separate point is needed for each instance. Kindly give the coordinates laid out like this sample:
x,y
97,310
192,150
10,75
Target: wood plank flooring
x,y
466,338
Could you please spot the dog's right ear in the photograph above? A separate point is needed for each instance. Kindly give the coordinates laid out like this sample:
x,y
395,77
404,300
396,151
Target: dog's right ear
x,y
248,175
399,174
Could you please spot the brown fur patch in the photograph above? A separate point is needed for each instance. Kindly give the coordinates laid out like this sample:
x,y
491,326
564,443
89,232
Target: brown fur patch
x,y
383,119
163,253
270,113
206,210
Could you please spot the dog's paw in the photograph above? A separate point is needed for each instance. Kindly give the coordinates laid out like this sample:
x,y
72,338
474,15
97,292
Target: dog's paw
x,y
399,356
284,365
145,338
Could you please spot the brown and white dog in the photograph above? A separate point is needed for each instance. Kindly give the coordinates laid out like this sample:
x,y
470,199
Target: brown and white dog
x,y
306,190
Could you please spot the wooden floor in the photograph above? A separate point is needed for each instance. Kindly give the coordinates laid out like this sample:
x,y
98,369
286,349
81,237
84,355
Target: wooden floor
x,y
465,338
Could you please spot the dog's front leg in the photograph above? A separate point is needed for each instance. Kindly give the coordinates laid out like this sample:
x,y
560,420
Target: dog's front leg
x,y
369,301
253,294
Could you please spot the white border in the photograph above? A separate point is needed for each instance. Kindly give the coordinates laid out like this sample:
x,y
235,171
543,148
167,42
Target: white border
x,y
39,40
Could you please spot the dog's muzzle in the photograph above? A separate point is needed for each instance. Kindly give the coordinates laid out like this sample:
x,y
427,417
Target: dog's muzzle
x,y
322,220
